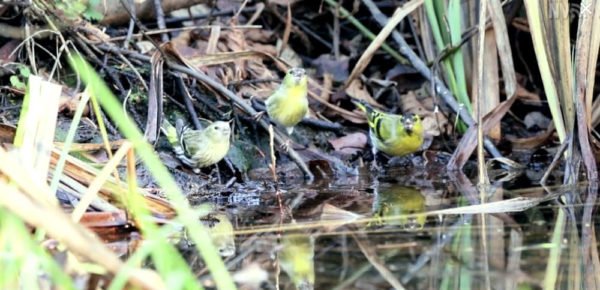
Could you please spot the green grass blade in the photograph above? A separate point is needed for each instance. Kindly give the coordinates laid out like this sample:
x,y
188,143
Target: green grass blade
x,y
197,232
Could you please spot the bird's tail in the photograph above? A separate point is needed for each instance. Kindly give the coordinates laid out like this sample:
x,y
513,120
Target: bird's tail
x,y
372,114
362,105
173,136
170,132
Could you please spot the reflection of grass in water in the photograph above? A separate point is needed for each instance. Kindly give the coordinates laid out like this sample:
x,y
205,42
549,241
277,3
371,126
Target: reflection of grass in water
x,y
554,257
23,258
461,266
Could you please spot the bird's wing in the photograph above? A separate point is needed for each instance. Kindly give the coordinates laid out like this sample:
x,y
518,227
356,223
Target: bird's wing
x,y
192,140
390,128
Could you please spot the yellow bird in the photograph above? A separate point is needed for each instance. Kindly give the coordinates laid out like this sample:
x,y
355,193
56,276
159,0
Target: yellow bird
x,y
289,104
394,135
296,258
199,148
221,232
397,205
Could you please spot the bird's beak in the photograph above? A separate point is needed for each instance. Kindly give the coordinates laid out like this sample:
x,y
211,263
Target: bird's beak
x,y
408,125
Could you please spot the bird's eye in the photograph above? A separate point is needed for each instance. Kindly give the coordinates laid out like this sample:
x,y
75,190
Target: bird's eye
x,y
216,128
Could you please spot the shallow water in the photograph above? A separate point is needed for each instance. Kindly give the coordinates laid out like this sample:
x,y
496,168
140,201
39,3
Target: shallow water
x,y
392,232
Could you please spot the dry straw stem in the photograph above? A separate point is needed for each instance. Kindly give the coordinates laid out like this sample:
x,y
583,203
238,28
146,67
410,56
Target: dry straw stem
x,y
469,140
30,202
37,123
504,49
586,56
92,191
366,57
374,259
482,173
83,173
333,217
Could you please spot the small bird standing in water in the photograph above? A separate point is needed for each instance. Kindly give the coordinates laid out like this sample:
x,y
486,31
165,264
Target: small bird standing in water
x,y
394,135
289,104
199,148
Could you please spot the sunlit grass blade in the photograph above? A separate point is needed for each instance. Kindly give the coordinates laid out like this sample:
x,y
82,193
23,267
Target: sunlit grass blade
x,y
540,37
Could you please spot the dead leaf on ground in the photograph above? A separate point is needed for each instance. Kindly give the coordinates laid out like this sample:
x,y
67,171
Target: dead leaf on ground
x,y
69,101
430,126
338,68
357,90
526,95
349,144
260,35
289,55
434,123
533,141
7,133
467,144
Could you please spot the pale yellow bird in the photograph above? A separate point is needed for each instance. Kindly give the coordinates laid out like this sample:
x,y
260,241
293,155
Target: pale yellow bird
x,y
199,148
297,259
289,103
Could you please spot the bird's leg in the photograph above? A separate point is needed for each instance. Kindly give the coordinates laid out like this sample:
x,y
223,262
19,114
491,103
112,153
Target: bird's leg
x,y
218,173
374,165
285,146
189,162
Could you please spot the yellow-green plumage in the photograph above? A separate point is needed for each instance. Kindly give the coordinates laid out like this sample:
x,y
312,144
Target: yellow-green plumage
x,y
297,259
399,206
221,233
289,104
199,148
395,135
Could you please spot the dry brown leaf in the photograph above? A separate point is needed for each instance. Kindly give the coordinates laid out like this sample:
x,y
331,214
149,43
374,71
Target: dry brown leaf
x,y
357,90
531,142
328,64
236,42
468,142
415,102
349,144
430,126
264,48
327,86
260,35
69,103
288,55
93,33
524,94
410,104
7,133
